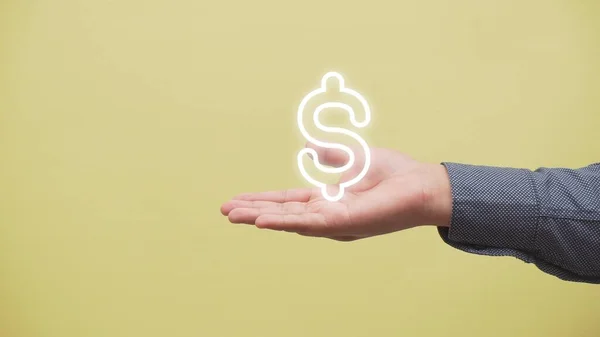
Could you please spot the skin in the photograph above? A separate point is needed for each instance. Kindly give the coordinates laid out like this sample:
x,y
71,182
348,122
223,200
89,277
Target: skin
x,y
397,193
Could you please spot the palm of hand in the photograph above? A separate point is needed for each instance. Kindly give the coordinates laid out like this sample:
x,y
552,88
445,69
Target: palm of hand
x,y
387,199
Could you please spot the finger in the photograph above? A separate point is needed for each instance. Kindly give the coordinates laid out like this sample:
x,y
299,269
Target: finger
x,y
266,207
243,215
336,238
328,156
344,238
248,215
298,194
234,203
304,222
230,205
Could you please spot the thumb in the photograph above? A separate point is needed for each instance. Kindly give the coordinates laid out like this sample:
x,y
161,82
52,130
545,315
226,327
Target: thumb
x,y
329,156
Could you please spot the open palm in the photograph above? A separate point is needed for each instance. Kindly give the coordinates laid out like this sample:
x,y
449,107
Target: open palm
x,y
397,193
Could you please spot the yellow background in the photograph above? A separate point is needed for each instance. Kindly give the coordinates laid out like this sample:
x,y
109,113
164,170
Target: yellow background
x,y
125,124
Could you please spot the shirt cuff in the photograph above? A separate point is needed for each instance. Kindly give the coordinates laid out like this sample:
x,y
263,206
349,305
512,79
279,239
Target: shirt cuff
x,y
493,207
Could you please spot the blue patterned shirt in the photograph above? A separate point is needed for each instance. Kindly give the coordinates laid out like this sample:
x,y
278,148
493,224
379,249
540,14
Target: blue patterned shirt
x,y
549,217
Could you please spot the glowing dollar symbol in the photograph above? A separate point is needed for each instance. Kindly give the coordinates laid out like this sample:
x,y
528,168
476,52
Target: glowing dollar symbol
x,y
367,156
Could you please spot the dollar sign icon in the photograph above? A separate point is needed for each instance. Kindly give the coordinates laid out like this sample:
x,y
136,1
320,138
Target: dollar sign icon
x,y
336,130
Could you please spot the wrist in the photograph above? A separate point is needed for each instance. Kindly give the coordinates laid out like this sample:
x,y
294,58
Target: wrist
x,y
437,196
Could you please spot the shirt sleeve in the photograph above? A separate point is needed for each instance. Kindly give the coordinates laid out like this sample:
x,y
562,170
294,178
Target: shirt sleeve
x,y
549,217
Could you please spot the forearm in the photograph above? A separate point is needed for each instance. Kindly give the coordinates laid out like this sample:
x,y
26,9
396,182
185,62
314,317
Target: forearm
x,y
549,217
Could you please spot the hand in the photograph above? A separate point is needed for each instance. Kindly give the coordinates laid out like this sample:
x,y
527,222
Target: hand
x,y
396,194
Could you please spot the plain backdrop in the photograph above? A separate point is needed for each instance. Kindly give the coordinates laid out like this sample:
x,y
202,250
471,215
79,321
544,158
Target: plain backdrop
x,y
125,124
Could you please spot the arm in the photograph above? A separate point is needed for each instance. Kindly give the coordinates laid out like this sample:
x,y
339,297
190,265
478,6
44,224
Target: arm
x,y
548,217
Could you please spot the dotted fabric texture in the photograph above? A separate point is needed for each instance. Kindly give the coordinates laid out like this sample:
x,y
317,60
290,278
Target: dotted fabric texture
x,y
549,217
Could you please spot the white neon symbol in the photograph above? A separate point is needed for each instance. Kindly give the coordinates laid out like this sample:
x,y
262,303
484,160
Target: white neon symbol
x,y
348,165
